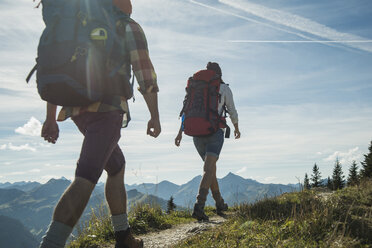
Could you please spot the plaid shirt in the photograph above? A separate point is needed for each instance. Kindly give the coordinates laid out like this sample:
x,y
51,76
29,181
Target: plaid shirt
x,y
135,42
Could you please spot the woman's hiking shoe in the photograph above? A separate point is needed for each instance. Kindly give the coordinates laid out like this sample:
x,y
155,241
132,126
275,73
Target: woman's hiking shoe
x,y
125,239
221,207
199,214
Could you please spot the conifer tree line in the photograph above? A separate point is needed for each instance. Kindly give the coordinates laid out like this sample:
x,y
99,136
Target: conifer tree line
x,y
171,205
338,181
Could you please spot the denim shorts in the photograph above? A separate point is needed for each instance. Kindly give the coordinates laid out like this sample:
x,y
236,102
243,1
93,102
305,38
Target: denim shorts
x,y
100,150
210,145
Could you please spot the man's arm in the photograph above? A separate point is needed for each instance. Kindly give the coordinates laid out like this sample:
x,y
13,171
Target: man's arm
x,y
153,126
229,100
236,131
145,74
178,139
50,131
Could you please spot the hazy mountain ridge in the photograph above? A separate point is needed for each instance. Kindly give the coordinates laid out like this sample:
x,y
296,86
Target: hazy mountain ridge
x,y
14,234
234,189
24,186
34,208
8,195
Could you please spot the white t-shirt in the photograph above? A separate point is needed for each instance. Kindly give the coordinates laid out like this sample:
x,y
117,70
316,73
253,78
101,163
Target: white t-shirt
x,y
227,98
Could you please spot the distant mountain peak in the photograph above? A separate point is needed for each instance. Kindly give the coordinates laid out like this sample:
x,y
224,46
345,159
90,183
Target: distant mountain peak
x,y
54,180
230,174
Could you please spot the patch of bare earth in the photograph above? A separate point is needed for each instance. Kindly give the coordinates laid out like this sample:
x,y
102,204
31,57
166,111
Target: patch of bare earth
x,y
168,238
172,236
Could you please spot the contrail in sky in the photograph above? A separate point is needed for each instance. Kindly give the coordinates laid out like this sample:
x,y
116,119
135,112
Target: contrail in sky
x,y
250,19
292,21
300,41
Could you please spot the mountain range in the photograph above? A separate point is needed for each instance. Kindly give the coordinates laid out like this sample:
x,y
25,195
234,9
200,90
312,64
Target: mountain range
x,y
234,189
14,234
31,204
32,210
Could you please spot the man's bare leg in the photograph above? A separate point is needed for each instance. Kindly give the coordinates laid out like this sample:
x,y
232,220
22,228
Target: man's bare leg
x,y
209,171
67,212
115,193
116,197
73,201
205,183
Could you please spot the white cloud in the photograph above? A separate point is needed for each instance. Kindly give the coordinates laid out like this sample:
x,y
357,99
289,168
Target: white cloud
x,y
3,147
31,128
269,179
348,157
35,171
16,173
242,170
44,144
25,147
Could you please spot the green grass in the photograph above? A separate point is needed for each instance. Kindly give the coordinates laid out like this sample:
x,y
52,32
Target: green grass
x,y
143,218
302,219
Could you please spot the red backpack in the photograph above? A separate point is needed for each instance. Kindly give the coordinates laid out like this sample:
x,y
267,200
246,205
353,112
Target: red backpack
x,y
200,107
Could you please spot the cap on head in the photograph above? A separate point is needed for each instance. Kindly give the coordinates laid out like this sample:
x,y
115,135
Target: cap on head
x,y
215,67
123,5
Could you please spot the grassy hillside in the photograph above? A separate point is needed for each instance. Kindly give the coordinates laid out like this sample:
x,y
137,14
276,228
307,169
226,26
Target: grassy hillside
x,y
98,232
303,219
299,219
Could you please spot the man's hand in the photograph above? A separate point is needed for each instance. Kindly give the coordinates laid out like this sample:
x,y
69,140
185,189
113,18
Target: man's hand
x,y
153,127
50,131
178,139
237,133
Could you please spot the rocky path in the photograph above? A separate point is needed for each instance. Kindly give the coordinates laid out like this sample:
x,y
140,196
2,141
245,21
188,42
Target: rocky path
x,y
172,236
168,238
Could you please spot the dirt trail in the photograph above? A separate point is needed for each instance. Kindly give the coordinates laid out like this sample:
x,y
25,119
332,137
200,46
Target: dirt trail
x,y
169,237
172,236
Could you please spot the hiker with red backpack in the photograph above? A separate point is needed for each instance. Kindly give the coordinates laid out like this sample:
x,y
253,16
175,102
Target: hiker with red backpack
x,y
85,56
203,114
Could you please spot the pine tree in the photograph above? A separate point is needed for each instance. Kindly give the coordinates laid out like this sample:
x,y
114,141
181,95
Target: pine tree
x,y
329,183
315,177
366,171
171,205
306,182
338,177
353,178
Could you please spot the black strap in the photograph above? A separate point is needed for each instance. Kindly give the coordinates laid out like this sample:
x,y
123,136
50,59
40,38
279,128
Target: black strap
x,y
132,85
185,100
31,73
227,133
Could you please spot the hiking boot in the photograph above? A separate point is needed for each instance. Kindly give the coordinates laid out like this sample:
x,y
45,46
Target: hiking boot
x,y
199,214
221,207
125,239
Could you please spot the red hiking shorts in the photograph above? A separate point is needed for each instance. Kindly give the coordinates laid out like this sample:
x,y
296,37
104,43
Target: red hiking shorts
x,y
100,150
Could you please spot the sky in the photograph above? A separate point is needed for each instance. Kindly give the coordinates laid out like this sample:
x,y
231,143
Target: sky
x,y
300,73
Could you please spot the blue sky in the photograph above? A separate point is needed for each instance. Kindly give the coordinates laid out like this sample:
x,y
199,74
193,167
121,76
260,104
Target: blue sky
x,y
300,72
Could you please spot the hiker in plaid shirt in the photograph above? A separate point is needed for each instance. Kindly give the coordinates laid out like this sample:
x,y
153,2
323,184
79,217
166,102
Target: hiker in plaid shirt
x,y
100,123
